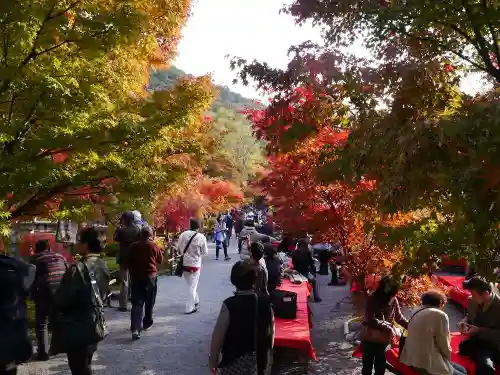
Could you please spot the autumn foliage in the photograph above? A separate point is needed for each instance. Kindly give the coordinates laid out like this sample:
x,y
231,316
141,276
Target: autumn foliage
x,y
331,211
194,199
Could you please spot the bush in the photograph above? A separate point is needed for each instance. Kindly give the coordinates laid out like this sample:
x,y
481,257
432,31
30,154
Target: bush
x,y
111,249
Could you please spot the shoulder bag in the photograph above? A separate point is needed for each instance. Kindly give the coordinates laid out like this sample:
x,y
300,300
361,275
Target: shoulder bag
x,y
402,338
179,269
376,335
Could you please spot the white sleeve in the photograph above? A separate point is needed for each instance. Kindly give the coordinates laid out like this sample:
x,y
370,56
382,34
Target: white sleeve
x,y
204,246
180,243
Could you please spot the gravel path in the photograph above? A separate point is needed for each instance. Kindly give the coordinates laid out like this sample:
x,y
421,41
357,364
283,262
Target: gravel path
x,y
178,343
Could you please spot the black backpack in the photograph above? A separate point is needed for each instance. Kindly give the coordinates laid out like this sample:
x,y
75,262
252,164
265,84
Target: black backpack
x,y
79,316
15,344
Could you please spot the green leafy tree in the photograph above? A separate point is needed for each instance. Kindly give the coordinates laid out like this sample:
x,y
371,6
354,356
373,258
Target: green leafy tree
x,y
75,119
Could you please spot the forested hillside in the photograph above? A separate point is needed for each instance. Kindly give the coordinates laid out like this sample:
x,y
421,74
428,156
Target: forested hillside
x,y
227,98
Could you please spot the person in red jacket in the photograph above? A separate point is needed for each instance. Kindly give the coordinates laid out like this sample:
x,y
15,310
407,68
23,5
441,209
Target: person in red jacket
x,y
144,258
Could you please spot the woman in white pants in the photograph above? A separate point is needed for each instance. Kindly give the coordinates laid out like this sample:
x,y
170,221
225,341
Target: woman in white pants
x,y
193,246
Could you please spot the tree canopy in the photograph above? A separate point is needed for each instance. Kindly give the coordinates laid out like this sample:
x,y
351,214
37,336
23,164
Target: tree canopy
x,y
429,146
74,113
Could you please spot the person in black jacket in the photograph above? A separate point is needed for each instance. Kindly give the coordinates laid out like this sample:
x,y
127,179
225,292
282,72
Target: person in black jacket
x,y
16,278
303,263
78,298
273,265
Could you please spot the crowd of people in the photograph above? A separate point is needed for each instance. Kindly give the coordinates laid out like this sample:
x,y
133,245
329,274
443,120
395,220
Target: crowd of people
x,y
427,346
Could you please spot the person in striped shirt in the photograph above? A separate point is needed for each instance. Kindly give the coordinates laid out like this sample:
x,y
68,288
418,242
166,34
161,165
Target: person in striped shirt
x,y
50,268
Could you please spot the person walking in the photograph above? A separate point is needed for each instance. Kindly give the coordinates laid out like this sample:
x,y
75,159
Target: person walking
x,y
50,268
144,258
243,336
127,233
381,310
193,246
16,279
248,235
427,347
220,237
78,310
229,225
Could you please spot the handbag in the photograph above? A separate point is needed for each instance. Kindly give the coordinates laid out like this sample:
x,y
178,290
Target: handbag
x,y
284,304
179,269
376,335
402,338
247,363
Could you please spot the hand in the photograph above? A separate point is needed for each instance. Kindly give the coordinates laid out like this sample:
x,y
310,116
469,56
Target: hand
x,y
213,371
472,330
461,326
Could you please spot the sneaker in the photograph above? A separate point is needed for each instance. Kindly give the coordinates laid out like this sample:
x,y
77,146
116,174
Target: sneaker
x,y
122,309
318,300
147,328
136,335
216,258
192,311
227,258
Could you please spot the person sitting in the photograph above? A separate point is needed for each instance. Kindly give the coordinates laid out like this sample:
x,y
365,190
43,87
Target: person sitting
x,y
273,266
427,347
482,326
303,263
243,336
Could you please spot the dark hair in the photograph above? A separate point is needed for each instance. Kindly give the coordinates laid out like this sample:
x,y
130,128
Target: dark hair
x,y
386,290
433,298
127,218
249,223
194,224
257,250
302,244
477,284
90,237
270,251
243,275
41,245
146,232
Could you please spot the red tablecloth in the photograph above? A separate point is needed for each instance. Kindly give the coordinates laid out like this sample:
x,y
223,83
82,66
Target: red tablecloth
x,y
295,333
457,293
456,338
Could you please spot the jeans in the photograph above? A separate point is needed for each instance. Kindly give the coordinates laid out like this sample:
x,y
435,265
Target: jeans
x,y
229,234
373,358
124,287
218,245
192,279
484,355
43,309
80,360
143,301
312,280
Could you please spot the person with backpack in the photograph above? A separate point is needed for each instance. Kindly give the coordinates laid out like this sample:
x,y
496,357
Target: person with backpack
x,y
16,279
144,258
78,323
192,246
127,233
50,268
